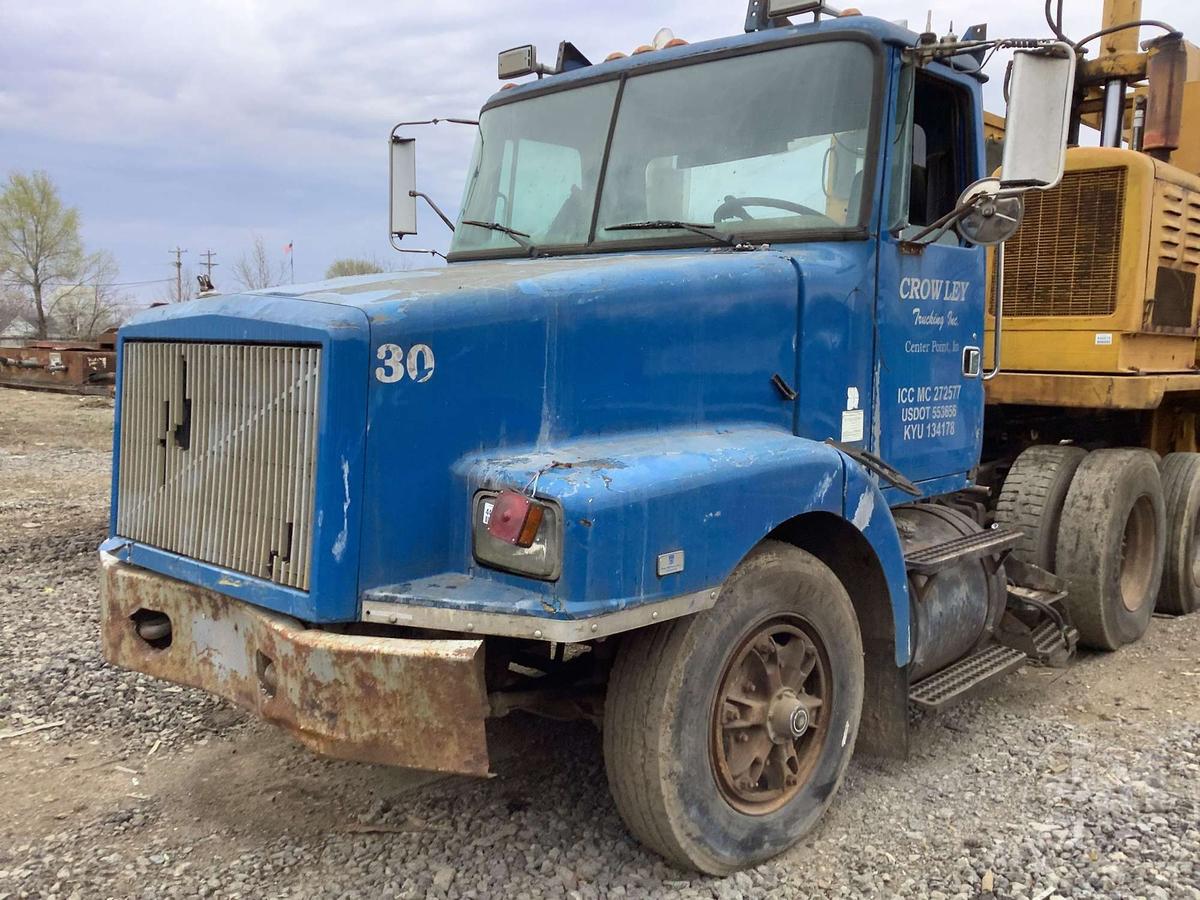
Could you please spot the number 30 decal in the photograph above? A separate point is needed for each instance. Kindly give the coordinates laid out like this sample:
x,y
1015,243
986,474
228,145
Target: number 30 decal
x,y
419,363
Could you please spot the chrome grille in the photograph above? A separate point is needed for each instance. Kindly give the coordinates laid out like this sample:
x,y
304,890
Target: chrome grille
x,y
1065,258
217,451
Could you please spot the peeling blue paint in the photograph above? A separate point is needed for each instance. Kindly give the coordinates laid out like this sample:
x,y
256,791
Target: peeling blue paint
x,y
863,510
339,545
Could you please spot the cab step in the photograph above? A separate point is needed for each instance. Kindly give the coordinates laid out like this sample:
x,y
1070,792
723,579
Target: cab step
x,y
1053,642
1037,622
932,559
964,677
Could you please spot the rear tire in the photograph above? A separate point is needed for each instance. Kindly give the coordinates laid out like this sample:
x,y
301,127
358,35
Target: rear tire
x,y
1032,499
1180,591
1111,546
703,767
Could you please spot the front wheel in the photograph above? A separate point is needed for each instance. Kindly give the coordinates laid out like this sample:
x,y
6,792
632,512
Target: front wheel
x,y
726,734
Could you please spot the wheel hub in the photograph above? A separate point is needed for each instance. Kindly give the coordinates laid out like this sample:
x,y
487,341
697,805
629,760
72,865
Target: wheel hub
x,y
1137,555
768,719
788,717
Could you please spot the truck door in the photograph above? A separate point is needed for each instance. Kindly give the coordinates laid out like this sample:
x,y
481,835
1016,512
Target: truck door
x,y
929,304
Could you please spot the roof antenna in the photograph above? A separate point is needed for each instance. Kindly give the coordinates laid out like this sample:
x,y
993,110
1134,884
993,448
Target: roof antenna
x,y
927,36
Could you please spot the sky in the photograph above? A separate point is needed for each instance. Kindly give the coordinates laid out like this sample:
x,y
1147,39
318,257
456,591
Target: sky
x,y
202,123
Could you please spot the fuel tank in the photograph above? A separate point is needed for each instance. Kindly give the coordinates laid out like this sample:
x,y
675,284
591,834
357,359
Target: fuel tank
x,y
956,609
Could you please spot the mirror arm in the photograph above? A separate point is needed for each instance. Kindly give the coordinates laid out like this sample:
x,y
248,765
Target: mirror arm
x,y
434,207
934,230
999,315
395,246
400,125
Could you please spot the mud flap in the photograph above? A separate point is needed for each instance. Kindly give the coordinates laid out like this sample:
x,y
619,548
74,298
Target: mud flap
x,y
414,703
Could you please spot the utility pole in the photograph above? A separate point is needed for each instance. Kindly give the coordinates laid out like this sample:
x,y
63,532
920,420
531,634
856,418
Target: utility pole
x,y
208,262
178,251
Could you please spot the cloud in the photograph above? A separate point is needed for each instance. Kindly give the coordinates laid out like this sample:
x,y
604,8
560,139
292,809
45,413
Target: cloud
x,y
204,121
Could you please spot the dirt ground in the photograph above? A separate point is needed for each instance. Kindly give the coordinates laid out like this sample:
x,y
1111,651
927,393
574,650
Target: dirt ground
x,y
115,785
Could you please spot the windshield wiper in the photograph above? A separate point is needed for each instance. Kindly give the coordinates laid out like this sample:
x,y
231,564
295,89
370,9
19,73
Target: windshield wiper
x,y
694,227
518,236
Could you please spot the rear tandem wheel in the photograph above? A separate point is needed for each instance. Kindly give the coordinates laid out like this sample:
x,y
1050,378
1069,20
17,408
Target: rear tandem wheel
x,y
1031,499
1111,543
1180,591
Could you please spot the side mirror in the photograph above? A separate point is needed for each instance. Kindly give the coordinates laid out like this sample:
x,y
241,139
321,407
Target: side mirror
x,y
403,186
517,62
991,217
1040,89
779,8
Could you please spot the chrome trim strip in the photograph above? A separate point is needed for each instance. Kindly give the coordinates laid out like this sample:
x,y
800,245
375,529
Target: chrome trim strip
x,y
565,631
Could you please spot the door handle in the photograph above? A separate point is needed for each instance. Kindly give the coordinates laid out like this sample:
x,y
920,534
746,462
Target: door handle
x,y
972,360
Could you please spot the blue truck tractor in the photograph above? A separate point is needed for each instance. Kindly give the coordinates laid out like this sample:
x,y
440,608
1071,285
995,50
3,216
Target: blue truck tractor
x,y
684,439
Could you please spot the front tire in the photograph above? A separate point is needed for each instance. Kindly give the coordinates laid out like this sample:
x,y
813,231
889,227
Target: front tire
x,y
727,733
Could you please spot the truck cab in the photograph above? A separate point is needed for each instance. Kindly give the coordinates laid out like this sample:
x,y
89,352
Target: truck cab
x,y
681,439
819,145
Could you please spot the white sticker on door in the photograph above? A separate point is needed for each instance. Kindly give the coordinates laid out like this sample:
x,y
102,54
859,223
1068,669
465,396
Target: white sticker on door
x,y
852,425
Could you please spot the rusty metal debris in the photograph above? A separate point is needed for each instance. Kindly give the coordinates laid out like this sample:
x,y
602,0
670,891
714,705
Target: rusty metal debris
x,y
77,367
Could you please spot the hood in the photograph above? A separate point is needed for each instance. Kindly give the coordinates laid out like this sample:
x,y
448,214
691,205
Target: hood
x,y
581,345
502,357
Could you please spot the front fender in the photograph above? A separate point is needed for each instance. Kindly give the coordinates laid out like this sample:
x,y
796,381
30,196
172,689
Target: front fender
x,y
867,510
629,499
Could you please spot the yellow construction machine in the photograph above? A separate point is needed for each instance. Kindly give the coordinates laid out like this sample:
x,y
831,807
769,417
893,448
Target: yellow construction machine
x,y
1098,307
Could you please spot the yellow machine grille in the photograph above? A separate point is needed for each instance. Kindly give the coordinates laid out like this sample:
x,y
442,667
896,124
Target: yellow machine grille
x,y
1065,258
1180,245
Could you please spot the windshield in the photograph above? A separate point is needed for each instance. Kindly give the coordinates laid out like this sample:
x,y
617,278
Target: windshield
x,y
764,144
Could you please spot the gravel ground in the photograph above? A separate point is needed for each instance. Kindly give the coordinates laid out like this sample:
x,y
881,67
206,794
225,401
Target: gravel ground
x,y
1075,783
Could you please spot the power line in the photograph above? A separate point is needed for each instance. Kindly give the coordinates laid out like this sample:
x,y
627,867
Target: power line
x,y
133,283
92,283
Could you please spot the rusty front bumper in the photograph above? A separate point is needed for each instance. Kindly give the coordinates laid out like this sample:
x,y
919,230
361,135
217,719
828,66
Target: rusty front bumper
x,y
415,703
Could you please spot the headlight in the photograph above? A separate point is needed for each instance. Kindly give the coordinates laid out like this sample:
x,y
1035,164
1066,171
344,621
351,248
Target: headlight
x,y
516,533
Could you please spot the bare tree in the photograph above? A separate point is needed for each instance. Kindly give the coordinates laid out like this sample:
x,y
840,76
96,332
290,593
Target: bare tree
x,y
84,310
255,269
39,240
185,292
12,305
351,265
